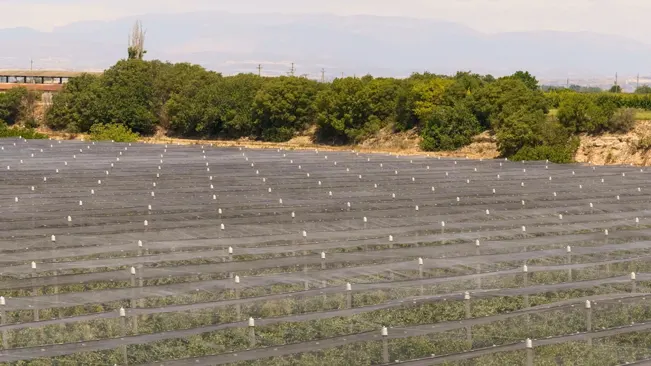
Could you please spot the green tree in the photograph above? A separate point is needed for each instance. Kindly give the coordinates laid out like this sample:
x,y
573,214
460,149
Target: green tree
x,y
284,106
449,128
529,80
615,89
11,105
644,89
579,113
76,107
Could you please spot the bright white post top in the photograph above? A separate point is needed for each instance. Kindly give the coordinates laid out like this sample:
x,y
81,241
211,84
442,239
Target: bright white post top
x,y
390,237
569,249
323,255
237,279
384,332
529,343
133,270
633,276
525,268
122,312
53,238
349,287
33,265
588,304
420,261
251,322
140,243
466,295
2,301
477,242
230,250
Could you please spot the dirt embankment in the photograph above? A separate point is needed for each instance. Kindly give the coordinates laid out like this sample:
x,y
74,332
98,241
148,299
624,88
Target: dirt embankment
x,y
617,149
607,149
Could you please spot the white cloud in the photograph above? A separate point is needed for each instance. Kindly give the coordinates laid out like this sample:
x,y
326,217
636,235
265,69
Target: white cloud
x,y
624,17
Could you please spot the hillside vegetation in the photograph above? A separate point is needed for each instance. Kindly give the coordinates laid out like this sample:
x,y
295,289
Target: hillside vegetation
x,y
187,101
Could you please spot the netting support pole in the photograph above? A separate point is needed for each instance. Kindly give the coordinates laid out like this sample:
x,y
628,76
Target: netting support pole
x,y
420,275
385,345
35,292
134,302
633,282
349,296
525,279
123,329
466,302
569,263
3,321
251,333
529,345
588,321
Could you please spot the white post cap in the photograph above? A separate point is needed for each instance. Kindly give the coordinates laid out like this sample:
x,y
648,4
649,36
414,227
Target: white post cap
x,y
222,227
133,270
633,276
525,268
569,249
3,301
304,234
123,313
230,250
466,295
420,261
237,279
323,255
390,237
384,332
146,223
349,287
33,265
140,243
588,304
53,238
251,322
529,343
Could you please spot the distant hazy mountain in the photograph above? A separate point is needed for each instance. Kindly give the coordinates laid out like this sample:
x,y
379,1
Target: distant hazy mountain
x,y
395,46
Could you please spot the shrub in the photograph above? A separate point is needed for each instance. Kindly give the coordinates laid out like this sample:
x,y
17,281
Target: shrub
x,y
623,120
553,153
112,132
24,132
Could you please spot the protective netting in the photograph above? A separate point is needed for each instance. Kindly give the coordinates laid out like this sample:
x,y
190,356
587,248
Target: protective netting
x,y
183,255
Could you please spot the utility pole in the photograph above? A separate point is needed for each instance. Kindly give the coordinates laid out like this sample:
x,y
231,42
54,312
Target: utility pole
x,y
292,70
637,84
323,75
259,70
31,64
615,78
568,83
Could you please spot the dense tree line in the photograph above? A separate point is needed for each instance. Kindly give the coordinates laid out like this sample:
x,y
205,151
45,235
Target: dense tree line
x,y
187,100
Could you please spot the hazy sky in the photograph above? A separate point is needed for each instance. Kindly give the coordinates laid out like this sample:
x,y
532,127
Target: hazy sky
x,y
623,17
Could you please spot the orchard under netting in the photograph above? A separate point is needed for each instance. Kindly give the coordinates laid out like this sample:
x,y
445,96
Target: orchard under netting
x,y
196,255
